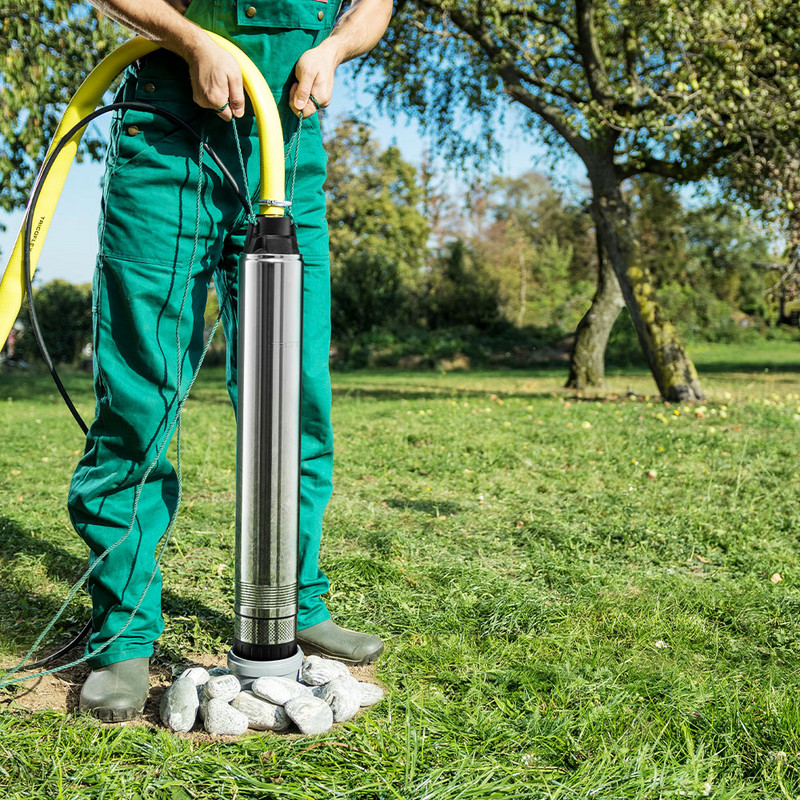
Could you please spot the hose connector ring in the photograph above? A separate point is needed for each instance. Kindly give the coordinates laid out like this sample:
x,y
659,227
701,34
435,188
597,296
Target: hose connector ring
x,y
275,203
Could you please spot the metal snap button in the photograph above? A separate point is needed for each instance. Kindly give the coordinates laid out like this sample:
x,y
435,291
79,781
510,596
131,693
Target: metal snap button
x,y
133,131
320,15
149,87
251,12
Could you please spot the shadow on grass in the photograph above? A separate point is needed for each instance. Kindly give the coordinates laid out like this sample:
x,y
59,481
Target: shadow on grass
x,y
37,385
390,395
752,367
385,393
25,614
432,507
210,388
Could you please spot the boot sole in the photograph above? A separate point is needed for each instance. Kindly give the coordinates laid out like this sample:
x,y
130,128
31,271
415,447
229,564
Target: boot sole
x,y
115,714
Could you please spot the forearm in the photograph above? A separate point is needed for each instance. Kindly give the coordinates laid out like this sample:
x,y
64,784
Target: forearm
x,y
156,20
360,28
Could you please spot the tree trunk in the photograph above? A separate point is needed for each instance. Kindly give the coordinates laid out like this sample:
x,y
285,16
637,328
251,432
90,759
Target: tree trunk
x,y
523,289
673,370
587,360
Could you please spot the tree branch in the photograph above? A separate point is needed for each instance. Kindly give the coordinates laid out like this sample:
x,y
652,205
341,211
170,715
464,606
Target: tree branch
x,y
694,171
512,78
549,114
590,53
537,78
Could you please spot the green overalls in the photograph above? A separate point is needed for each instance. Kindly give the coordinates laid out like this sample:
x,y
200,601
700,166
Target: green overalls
x,y
146,240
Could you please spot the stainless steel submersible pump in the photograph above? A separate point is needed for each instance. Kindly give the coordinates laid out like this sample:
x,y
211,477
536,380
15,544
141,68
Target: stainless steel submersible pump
x,y
268,453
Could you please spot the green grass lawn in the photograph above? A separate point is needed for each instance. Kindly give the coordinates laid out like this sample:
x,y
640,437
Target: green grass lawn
x,y
580,599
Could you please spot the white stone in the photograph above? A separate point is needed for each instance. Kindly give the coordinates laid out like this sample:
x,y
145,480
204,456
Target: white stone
x,y
278,690
178,709
311,714
317,670
223,719
224,687
343,695
370,693
197,675
261,714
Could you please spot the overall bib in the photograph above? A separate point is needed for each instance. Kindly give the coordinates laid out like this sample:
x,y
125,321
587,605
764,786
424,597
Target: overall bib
x,y
147,237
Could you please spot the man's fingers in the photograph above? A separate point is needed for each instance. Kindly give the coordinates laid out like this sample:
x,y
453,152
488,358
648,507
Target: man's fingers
x,y
313,104
217,81
224,110
309,109
236,97
303,91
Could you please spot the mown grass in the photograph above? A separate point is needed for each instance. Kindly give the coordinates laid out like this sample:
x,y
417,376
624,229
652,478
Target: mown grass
x,y
560,624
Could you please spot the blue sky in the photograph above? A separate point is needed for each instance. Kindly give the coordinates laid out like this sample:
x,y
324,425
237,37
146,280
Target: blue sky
x,y
71,244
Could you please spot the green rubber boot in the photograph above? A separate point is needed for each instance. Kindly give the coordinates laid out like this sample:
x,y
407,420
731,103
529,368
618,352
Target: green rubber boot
x,y
328,639
118,692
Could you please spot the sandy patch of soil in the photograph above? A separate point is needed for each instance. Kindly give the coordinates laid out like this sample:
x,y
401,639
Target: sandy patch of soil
x,y
60,692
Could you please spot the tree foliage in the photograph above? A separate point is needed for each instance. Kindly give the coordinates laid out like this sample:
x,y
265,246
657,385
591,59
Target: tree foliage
x,y
378,231
48,48
765,174
374,199
706,261
461,290
541,249
64,311
367,293
663,86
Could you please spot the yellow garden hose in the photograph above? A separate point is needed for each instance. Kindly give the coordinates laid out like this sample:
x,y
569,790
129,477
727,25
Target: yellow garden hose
x,y
85,100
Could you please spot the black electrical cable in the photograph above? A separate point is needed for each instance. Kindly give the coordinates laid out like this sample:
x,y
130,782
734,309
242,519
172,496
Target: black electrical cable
x,y
37,331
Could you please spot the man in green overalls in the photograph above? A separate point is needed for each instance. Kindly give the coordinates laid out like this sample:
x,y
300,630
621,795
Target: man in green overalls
x,y
159,247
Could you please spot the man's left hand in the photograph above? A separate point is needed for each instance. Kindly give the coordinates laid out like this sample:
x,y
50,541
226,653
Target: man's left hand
x,y
314,72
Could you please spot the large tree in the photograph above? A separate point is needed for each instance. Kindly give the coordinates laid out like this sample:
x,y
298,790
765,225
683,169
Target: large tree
x,y
629,86
48,48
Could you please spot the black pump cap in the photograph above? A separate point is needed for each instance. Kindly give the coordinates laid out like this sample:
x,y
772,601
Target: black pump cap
x,y
263,652
271,235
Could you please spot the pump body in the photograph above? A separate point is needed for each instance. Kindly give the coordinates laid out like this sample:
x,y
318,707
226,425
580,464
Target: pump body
x,y
268,453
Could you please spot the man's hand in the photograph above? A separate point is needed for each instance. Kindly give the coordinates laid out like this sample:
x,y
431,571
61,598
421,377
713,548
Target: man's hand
x,y
216,78
357,32
314,72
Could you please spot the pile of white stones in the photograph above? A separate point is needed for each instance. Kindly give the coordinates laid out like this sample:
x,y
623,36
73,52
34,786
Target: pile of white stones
x,y
324,693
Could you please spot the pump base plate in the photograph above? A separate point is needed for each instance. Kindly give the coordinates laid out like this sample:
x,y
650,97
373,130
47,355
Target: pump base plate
x,y
247,671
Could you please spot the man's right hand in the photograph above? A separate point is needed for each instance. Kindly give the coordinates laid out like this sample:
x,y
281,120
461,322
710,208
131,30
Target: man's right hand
x,y
216,77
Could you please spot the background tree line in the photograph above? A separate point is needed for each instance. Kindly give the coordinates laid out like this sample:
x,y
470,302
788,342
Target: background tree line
x,y
420,277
